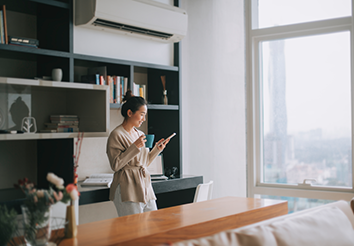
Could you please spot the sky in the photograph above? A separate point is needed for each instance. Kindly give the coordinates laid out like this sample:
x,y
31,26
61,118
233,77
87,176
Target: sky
x,y
317,67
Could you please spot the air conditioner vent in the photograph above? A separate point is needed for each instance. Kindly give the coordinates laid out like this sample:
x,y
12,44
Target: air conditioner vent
x,y
133,29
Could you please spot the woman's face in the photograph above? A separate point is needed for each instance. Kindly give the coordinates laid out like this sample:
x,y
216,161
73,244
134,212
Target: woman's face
x,y
137,118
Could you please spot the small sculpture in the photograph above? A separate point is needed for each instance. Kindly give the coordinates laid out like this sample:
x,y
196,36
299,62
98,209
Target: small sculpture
x,y
27,125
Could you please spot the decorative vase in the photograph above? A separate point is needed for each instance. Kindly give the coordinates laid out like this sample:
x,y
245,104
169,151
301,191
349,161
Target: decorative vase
x,y
36,222
57,74
164,98
70,227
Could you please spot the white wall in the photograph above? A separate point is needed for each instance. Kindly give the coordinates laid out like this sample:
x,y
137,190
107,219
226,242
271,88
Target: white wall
x,y
213,95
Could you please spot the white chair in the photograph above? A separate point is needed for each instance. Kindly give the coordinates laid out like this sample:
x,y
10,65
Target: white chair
x,y
203,192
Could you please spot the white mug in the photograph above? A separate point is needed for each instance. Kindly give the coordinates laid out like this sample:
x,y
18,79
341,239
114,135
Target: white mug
x,y
57,74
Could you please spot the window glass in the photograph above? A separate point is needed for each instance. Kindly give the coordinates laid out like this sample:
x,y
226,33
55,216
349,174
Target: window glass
x,y
306,116
296,204
284,12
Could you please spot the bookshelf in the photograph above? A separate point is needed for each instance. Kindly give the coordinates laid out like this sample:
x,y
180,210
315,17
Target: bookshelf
x,y
51,22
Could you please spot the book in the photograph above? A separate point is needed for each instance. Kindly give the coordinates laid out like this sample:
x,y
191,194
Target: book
x,y
97,79
121,90
64,129
20,40
102,82
24,45
110,84
47,131
139,90
117,83
73,120
101,71
64,115
144,91
125,84
114,78
63,118
102,179
122,87
65,121
61,124
5,23
1,28
135,89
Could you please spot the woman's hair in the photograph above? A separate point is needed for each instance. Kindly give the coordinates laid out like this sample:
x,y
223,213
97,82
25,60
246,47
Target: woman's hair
x,y
131,102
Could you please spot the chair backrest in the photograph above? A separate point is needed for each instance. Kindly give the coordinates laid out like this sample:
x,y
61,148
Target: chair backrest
x,y
203,192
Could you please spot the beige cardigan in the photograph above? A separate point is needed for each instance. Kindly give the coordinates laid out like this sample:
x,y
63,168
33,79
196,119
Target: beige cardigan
x,y
129,164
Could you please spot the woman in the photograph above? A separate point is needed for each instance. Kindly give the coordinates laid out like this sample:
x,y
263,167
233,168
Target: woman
x,y
131,189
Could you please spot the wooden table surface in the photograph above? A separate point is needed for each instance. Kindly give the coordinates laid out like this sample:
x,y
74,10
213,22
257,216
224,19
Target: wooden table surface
x,y
178,223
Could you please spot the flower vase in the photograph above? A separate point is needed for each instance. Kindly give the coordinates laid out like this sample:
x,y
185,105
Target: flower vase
x,y
57,74
70,227
164,98
36,222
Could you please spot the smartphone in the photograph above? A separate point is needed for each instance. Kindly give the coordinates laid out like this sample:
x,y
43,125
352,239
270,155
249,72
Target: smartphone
x,y
172,135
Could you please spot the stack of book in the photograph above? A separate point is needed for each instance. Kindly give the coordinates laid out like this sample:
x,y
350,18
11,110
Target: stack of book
x,y
28,42
62,123
118,86
139,90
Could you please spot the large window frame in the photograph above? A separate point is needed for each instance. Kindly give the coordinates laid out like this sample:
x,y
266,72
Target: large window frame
x,y
254,38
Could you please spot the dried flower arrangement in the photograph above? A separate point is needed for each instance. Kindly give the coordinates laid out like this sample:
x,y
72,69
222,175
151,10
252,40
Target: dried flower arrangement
x,y
76,156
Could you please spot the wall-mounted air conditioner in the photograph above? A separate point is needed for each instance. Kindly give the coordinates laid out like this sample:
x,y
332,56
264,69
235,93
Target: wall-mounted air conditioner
x,y
142,18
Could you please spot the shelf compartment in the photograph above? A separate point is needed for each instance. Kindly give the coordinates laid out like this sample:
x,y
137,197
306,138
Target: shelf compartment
x,y
163,123
45,98
155,88
30,65
46,21
150,78
82,68
33,159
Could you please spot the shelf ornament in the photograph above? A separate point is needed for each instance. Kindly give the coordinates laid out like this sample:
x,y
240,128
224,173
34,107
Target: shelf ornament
x,y
29,125
164,96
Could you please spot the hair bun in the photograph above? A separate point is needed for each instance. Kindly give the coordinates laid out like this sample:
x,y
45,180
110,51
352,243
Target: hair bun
x,y
128,95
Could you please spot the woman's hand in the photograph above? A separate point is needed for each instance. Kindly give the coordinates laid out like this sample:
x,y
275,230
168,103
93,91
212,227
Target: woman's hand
x,y
140,142
161,145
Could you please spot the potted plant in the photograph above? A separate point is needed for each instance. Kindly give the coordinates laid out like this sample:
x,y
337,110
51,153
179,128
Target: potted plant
x,y
8,224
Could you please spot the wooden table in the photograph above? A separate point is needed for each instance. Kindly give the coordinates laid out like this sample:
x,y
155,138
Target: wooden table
x,y
178,223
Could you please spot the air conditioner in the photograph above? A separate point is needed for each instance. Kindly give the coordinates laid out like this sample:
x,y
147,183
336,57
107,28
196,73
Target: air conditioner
x,y
141,18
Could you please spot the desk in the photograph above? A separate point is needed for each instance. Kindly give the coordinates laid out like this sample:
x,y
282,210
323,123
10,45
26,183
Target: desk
x,y
169,193
178,223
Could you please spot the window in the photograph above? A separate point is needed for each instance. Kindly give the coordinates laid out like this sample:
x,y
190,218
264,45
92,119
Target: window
x,y
300,98
284,12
